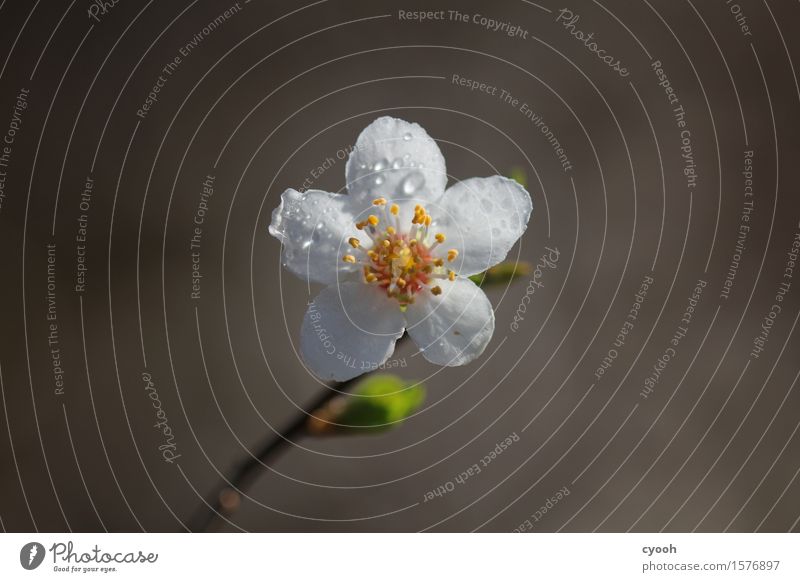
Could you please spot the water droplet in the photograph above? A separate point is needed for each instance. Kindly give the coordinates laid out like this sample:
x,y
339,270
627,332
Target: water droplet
x,y
378,180
406,157
306,245
420,165
407,137
487,205
380,164
362,166
397,164
413,182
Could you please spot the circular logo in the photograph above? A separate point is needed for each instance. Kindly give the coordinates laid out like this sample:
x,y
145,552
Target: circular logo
x,y
31,555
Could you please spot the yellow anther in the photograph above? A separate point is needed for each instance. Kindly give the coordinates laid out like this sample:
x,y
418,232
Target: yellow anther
x,y
372,255
451,255
436,290
379,201
354,242
386,243
390,230
438,262
439,237
394,209
412,242
370,278
373,220
401,282
428,220
361,225
349,259
451,275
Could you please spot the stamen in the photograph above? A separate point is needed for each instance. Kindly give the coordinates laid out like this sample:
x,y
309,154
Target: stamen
x,y
373,220
394,209
451,275
401,282
436,290
370,278
438,262
390,230
349,259
379,201
451,255
354,242
439,237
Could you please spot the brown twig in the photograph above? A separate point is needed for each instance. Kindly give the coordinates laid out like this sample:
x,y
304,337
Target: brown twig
x,y
227,496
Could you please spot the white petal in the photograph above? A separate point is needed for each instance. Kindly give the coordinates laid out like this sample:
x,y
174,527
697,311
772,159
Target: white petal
x,y
482,218
453,328
314,227
395,159
349,329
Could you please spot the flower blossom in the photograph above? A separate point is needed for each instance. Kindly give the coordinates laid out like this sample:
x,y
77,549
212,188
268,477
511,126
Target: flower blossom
x,y
395,253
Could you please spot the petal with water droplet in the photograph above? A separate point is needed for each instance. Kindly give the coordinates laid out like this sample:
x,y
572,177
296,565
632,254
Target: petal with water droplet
x,y
313,227
388,138
478,225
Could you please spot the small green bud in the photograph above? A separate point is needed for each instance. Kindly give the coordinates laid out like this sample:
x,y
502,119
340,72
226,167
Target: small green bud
x,y
502,273
379,402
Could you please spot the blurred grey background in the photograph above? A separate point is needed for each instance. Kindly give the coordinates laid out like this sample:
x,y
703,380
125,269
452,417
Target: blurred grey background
x,y
263,94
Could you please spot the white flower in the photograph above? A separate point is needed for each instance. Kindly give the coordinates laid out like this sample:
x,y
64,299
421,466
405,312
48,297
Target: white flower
x,y
395,253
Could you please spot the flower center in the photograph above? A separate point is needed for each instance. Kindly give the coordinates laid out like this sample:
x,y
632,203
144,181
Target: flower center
x,y
400,261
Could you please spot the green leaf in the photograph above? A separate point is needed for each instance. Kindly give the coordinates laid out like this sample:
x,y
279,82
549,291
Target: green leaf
x,y
379,402
502,273
518,174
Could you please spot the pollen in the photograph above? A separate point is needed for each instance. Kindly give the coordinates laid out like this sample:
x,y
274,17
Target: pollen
x,y
399,260
451,255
